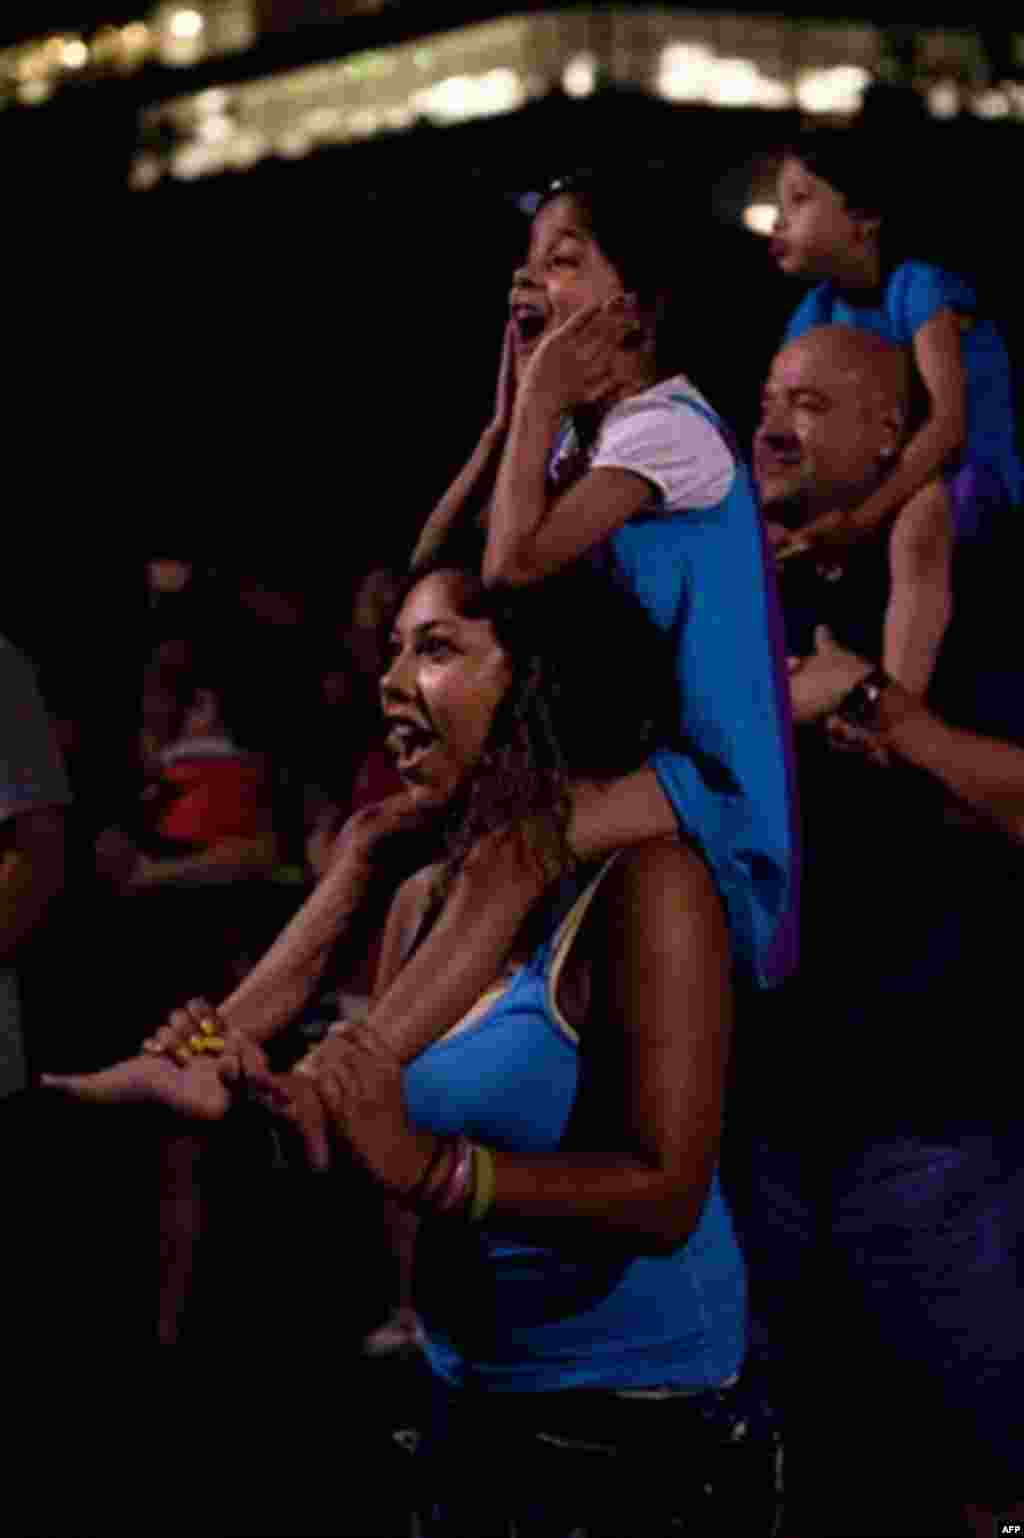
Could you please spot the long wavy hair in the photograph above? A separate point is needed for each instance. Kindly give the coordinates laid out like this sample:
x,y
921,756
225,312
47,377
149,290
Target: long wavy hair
x,y
592,691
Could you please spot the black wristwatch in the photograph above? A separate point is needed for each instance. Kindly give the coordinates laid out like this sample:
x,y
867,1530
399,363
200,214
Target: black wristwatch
x,y
860,706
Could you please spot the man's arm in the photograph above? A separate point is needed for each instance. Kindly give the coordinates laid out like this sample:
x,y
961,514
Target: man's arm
x,y
31,874
983,773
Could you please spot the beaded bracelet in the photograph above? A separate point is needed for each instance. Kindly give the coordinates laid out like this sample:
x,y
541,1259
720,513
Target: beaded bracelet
x,y
456,1189
484,1184
440,1148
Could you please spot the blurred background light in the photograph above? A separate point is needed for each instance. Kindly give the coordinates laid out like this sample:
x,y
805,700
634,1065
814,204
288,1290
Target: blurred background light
x,y
74,54
991,104
684,71
839,90
944,99
185,25
760,217
579,78
462,97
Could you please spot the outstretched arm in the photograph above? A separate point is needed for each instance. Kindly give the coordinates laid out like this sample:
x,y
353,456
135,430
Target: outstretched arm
x,y
283,981
333,917
981,773
921,594
467,496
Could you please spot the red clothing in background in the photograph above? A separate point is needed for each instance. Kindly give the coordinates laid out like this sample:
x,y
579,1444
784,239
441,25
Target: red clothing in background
x,y
214,792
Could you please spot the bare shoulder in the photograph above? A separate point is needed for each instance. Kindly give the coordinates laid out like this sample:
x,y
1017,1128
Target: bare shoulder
x,y
665,867
659,897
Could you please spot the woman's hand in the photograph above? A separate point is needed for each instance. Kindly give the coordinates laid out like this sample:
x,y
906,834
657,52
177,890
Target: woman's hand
x,y
359,1083
392,834
582,362
819,683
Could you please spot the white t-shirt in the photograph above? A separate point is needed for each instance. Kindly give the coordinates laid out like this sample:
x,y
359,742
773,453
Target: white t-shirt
x,y
31,777
678,450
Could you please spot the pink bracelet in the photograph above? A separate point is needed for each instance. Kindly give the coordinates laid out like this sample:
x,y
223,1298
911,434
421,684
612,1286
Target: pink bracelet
x,y
455,1190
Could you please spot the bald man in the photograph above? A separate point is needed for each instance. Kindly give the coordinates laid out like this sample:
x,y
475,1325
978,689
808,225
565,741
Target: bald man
x,y
876,1166
837,409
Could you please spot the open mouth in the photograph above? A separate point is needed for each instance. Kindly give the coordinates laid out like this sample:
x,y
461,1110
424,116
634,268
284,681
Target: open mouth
x,y
530,321
775,464
408,741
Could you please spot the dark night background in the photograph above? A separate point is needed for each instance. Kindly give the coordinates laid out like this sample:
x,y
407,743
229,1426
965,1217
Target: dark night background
x,y
291,362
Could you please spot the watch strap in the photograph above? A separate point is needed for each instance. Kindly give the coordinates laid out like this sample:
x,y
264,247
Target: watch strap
x,y
860,706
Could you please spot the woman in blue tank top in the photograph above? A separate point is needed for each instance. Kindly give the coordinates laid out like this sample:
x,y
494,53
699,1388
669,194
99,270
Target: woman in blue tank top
x,y
577,1272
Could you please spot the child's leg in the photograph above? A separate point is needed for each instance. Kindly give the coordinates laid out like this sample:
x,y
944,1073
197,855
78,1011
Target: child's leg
x,y
920,598
490,901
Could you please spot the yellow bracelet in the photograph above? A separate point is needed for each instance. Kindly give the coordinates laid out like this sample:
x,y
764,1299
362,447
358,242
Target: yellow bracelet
x,y
484,1183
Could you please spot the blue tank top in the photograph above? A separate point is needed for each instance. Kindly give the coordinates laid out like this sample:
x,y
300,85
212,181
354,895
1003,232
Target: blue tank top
x,y
503,1314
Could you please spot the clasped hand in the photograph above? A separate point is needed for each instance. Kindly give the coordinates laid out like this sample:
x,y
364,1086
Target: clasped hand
x,y
819,682
826,536
347,1094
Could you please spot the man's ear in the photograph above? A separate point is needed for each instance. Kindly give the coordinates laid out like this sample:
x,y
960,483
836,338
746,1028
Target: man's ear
x,y
868,224
894,432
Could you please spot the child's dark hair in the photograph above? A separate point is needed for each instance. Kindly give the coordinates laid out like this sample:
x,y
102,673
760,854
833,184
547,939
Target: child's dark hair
x,y
863,170
593,691
633,216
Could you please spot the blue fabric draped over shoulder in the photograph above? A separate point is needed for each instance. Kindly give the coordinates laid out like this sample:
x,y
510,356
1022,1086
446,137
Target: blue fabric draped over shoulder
x,y
706,577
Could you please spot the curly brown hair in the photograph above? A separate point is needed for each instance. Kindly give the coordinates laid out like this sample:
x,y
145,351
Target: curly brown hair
x,y
593,691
